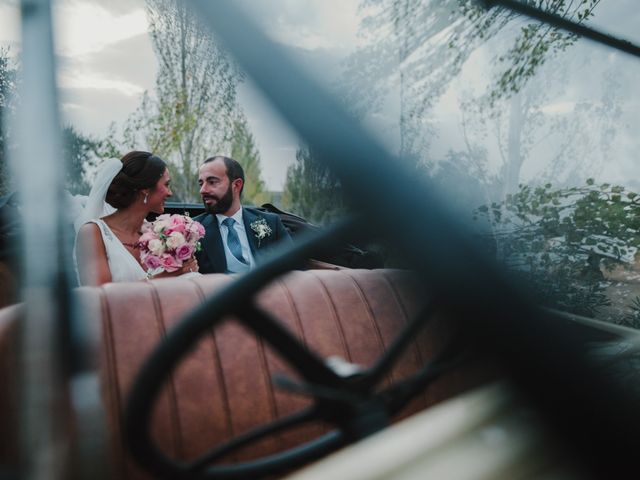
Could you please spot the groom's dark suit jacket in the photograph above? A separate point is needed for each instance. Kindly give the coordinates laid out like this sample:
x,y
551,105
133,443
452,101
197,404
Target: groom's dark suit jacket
x,y
211,258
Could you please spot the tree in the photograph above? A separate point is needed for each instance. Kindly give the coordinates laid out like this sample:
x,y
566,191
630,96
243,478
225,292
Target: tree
x,y
8,79
312,190
465,174
589,134
244,150
564,239
419,47
191,116
565,146
81,152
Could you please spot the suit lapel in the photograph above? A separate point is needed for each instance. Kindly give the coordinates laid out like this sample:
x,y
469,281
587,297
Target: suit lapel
x,y
212,243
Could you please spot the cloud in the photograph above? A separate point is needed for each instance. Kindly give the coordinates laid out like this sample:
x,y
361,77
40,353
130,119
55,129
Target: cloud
x,y
92,111
303,37
130,60
118,7
98,82
309,25
85,28
106,60
105,87
9,24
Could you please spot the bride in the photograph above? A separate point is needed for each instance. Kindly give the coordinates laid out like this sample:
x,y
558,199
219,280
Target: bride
x,y
106,245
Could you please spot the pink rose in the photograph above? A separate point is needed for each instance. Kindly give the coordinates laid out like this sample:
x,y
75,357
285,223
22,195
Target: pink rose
x,y
195,231
176,224
199,228
176,219
175,229
184,252
151,261
169,263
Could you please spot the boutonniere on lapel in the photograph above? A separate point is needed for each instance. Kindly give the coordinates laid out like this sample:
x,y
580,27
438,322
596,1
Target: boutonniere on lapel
x,y
260,229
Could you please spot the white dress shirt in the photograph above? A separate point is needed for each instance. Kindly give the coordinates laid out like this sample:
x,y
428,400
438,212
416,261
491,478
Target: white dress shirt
x,y
242,236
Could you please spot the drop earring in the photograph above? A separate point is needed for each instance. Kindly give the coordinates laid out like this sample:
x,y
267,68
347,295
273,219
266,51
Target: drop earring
x,y
145,198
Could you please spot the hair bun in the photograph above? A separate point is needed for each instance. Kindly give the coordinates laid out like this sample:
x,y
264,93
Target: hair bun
x,y
140,170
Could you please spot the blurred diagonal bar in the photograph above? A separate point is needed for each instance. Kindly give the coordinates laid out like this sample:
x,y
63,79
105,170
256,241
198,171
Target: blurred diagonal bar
x,y
595,415
39,172
371,175
565,24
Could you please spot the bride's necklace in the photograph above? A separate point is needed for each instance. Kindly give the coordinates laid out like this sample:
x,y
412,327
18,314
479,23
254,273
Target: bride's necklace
x,y
133,245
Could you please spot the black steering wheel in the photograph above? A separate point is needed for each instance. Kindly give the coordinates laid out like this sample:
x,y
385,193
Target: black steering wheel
x,y
594,414
353,404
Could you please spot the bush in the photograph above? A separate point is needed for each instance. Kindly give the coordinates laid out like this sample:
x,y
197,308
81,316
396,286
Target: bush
x,y
563,239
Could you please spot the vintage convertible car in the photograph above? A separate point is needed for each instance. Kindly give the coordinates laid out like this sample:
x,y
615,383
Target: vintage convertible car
x,y
375,349
257,375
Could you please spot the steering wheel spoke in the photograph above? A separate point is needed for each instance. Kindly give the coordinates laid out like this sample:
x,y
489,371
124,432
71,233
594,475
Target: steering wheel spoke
x,y
311,367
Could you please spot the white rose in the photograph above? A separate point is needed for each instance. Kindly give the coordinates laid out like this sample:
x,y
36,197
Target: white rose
x,y
146,227
175,240
160,225
155,246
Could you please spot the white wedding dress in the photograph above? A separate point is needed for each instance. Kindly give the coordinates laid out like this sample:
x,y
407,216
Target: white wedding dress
x,y
124,267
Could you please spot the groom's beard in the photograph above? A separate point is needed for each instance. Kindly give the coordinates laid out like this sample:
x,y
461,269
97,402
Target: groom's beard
x,y
222,203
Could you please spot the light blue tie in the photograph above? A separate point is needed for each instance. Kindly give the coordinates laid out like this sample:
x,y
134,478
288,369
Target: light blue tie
x,y
233,242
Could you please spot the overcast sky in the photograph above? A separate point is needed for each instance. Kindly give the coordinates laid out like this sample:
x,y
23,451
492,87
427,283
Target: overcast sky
x,y
106,62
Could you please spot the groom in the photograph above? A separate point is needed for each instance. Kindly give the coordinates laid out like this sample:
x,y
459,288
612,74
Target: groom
x,y
235,236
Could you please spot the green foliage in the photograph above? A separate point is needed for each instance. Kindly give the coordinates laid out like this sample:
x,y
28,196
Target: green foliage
x,y
81,153
562,239
312,190
421,46
109,146
632,317
191,116
536,42
244,150
8,79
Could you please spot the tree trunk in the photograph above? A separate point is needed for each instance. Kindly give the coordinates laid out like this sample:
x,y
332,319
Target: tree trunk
x,y
514,142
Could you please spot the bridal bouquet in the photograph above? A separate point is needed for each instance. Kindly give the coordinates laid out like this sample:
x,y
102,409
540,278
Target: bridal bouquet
x,y
168,242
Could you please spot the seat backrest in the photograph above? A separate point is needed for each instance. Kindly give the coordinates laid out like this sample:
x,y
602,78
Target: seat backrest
x,y
223,387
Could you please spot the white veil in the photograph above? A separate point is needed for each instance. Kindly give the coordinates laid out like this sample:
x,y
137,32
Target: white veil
x,y
95,206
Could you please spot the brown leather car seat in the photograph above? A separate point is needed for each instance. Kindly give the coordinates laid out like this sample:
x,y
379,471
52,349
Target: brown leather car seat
x,y
224,386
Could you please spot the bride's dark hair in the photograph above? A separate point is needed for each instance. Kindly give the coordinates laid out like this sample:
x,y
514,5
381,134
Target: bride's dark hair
x,y
139,170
